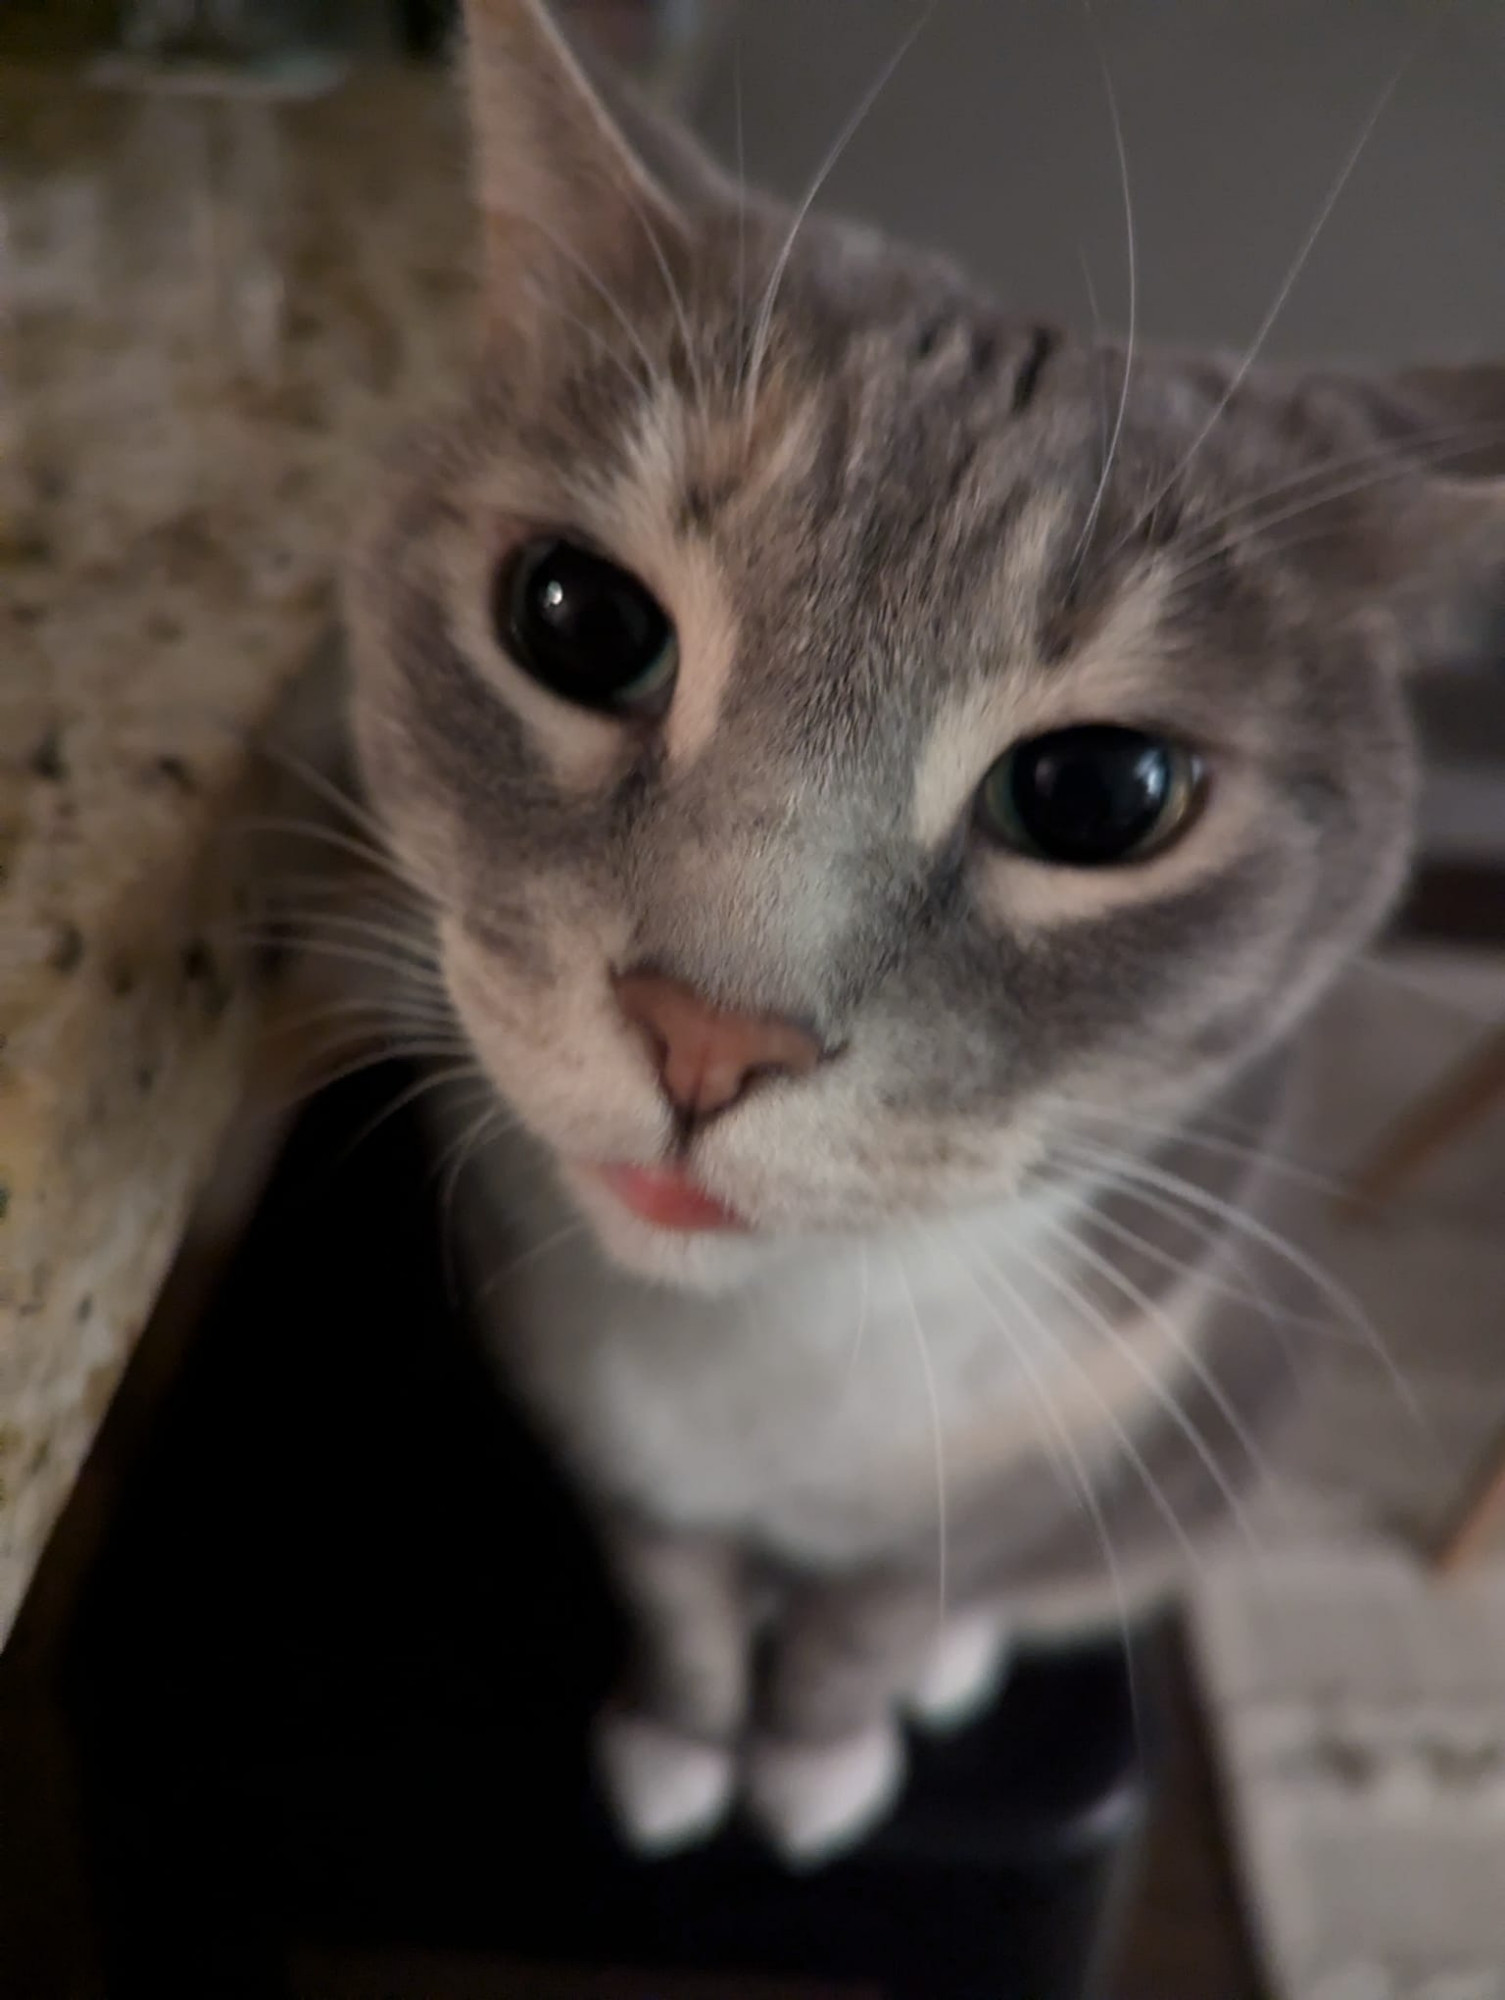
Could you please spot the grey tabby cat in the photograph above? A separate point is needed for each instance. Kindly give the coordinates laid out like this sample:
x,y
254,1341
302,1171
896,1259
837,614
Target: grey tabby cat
x,y
865,820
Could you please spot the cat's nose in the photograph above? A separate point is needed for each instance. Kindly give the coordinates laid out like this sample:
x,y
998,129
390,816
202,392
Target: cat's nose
x,y
708,1057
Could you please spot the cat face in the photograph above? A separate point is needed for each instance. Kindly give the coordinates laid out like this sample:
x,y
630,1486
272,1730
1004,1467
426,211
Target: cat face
x,y
848,736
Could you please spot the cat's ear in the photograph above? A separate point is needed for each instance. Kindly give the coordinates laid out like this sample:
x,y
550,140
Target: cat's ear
x,y
1421,510
579,198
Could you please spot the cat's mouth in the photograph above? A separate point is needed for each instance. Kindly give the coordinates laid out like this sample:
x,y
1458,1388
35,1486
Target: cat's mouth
x,y
666,1197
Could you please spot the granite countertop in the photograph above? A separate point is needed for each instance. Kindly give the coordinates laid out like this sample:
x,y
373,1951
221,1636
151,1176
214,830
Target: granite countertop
x,y
214,311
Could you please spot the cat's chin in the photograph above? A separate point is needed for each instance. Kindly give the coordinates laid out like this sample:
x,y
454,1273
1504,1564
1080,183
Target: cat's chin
x,y
698,1260
707,1264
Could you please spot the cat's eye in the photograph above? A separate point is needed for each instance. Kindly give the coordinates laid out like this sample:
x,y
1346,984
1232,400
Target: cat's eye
x,y
585,629
1090,797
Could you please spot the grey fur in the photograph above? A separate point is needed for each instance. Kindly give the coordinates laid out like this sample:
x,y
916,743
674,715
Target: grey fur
x,y
908,510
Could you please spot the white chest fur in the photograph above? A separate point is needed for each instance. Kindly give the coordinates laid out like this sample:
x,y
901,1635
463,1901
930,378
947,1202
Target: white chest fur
x,y
826,1408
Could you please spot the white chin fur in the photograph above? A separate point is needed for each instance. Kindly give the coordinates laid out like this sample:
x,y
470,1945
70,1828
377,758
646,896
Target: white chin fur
x,y
813,1801
668,1791
963,1674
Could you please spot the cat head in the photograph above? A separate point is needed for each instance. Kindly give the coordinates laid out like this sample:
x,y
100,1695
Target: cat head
x,y
847,733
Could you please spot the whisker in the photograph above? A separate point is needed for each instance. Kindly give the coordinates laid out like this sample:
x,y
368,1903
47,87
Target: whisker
x,y
492,1119
1104,420
345,843
938,1441
1322,1281
1388,458
436,1080
609,298
380,1015
1187,1354
1206,1235
764,322
1117,1429
1287,286
741,186
1178,1212
1164,1396
426,977
345,803
577,1227
1381,469
1411,982
1070,1457
676,298
1209,1142
609,351
299,922
1085,537
849,1374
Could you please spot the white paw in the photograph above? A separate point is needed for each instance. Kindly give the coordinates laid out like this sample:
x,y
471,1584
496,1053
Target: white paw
x,y
668,1790
813,1800
964,1672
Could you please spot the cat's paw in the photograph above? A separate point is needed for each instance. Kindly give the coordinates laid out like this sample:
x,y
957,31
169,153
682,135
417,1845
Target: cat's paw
x,y
667,1790
815,1800
964,1671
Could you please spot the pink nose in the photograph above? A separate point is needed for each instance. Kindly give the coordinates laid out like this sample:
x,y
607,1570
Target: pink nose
x,y
707,1058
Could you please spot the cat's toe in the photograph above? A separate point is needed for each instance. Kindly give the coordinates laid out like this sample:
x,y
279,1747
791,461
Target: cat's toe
x,y
963,1673
815,1800
667,1790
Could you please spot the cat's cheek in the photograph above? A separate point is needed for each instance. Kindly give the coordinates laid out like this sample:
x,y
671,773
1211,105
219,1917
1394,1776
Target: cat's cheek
x,y
561,1059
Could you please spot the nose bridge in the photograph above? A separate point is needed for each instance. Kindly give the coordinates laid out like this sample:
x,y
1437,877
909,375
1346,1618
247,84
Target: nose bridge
x,y
784,905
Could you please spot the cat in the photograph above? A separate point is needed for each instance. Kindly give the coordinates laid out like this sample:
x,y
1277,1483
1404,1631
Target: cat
x,y
884,778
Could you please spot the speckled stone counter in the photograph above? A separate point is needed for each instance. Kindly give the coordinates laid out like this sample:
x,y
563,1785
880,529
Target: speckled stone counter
x,y
213,312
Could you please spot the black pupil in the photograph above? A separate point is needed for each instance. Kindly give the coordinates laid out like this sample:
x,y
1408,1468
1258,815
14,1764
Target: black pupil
x,y
1092,794
583,627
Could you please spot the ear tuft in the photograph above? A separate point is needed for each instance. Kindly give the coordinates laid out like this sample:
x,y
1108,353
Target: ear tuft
x,y
1425,514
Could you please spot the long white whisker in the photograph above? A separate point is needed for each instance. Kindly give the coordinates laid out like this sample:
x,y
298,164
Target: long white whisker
x,y
741,189
1288,284
296,926
1411,982
350,808
1322,1281
492,1118
1124,1440
437,1079
1210,1142
827,167
1218,1215
676,300
1070,1457
1185,1351
405,968
328,836
1206,1234
854,1353
372,1016
1104,421
1085,537
1164,1397
938,1442
570,1230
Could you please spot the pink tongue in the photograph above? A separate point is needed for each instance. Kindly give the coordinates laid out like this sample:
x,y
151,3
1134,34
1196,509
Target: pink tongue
x,y
667,1197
